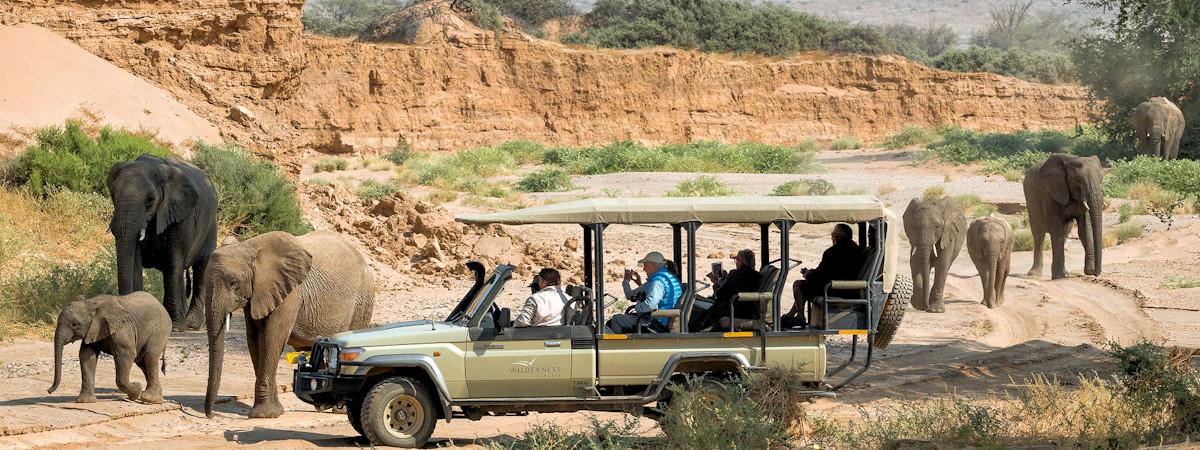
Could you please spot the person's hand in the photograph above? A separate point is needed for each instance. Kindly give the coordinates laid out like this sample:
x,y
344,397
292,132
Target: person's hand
x,y
805,271
712,277
637,278
628,275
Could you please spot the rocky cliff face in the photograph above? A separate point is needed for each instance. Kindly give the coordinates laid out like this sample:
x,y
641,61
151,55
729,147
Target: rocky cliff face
x,y
246,66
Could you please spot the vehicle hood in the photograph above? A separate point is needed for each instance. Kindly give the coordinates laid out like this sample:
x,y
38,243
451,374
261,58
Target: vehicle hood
x,y
413,332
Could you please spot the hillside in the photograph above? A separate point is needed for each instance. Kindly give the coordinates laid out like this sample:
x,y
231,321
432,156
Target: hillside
x,y
224,58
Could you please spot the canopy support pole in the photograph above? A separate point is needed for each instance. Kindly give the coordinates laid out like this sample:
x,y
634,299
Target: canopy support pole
x,y
685,304
598,279
677,240
785,227
764,251
587,257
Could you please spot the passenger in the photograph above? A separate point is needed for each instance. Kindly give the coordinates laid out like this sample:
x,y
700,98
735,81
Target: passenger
x,y
636,292
662,291
743,278
544,308
842,261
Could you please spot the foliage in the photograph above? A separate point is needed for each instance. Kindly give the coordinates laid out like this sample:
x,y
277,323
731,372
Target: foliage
x,y
483,13
598,435
525,152
921,43
1178,282
547,180
701,186
69,157
933,192
462,170
908,137
701,156
846,143
692,422
374,190
254,195
1180,176
1015,26
64,227
400,153
1042,67
1023,241
439,197
1164,383
534,13
1124,213
39,291
887,188
1012,153
1154,43
1126,232
345,17
814,186
329,164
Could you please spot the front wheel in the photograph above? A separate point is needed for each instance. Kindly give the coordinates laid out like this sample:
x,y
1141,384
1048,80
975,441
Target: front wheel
x,y
354,414
398,412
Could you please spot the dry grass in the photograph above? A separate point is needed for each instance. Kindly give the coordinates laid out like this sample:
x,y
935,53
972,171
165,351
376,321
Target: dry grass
x,y
887,188
933,193
66,227
439,197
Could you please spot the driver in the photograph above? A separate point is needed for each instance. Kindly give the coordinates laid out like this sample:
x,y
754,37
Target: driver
x,y
544,307
662,291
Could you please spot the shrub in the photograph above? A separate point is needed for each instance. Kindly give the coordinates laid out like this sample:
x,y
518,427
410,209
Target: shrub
x,y
68,157
692,422
1180,176
933,193
968,201
1023,241
439,197
345,17
329,164
1177,282
459,169
702,186
39,291
376,164
400,154
1041,67
374,190
908,137
255,197
534,13
887,188
701,156
1126,232
319,182
598,435
815,186
548,180
64,227
983,210
525,152
1124,213
846,143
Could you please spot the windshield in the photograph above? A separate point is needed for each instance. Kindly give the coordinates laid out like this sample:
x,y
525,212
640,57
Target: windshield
x,y
492,287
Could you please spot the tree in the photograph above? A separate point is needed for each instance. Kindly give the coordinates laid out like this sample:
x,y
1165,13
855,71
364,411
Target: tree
x,y
1148,48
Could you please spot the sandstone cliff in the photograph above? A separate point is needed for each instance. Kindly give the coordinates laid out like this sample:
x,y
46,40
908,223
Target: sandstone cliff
x,y
246,66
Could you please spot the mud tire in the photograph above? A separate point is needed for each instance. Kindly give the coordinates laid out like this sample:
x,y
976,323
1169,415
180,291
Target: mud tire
x,y
893,311
392,394
354,415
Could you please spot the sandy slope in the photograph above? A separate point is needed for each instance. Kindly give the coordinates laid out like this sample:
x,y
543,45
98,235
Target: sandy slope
x,y
1058,328
45,79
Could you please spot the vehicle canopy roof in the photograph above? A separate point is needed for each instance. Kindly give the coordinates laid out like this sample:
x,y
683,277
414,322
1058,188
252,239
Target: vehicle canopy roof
x,y
673,210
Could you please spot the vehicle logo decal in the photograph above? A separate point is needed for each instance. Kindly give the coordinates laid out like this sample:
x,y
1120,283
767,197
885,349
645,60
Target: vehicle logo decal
x,y
526,363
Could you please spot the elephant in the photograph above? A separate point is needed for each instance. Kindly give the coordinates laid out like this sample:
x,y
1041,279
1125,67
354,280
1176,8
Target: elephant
x,y
132,328
1159,127
990,245
935,228
164,218
291,289
1061,190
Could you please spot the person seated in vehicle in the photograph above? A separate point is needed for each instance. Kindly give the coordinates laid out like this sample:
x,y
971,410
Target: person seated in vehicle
x,y
743,278
544,308
842,261
662,291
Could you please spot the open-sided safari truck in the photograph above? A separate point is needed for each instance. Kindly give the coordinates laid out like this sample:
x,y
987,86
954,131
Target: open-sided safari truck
x,y
397,380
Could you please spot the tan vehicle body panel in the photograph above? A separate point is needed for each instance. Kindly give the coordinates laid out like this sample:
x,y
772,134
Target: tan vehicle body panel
x,y
640,361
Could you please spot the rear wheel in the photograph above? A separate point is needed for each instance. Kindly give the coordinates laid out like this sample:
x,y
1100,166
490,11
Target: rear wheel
x,y
893,311
398,412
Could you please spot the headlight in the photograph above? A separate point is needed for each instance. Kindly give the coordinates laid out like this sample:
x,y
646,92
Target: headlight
x,y
329,359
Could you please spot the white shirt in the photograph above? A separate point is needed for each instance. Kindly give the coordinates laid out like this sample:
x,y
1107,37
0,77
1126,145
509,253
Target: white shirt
x,y
543,309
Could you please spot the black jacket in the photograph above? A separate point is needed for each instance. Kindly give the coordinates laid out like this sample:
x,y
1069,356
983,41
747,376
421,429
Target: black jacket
x,y
742,279
842,261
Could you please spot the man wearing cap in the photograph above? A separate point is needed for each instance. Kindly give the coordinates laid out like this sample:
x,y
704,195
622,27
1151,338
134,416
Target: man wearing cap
x,y
543,308
662,290
743,278
842,261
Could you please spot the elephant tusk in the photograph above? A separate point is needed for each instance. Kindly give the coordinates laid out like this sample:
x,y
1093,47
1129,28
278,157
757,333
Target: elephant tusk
x,y
935,251
1086,207
142,235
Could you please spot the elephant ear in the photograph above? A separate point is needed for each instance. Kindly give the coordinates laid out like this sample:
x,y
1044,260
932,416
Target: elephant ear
x,y
178,200
953,225
280,264
1054,179
108,317
114,172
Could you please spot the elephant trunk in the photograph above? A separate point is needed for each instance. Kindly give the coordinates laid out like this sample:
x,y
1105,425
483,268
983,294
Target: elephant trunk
x,y
127,233
919,263
1095,221
61,336
216,354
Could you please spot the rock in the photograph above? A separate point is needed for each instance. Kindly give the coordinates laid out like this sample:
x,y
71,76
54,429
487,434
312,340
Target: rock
x,y
715,256
364,224
572,243
386,207
242,115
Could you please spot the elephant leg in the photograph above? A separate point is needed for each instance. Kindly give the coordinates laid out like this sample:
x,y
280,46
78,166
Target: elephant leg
x,y
195,315
149,363
272,337
935,302
920,277
87,373
1002,268
1039,239
173,295
1058,242
125,361
986,277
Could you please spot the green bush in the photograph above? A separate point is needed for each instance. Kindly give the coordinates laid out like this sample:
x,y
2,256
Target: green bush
x,y
68,157
815,186
374,190
1124,213
548,180
1161,381
933,193
691,421
400,153
345,17
254,196
1181,176
701,156
329,164
846,143
1023,241
1127,231
534,13
525,152
39,292
1041,67
701,186
459,169
908,137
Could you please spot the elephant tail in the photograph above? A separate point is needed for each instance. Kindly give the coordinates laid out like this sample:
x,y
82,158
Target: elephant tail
x,y
164,363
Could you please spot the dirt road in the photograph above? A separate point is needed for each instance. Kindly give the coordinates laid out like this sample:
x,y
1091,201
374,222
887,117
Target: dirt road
x,y
1058,328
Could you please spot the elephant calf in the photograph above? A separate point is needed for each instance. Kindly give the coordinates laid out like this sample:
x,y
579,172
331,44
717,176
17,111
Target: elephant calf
x,y
132,328
990,244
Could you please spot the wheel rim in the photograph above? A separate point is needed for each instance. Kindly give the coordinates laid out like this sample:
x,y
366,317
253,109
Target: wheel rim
x,y
709,399
404,415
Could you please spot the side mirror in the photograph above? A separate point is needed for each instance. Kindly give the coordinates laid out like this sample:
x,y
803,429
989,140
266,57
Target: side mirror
x,y
503,320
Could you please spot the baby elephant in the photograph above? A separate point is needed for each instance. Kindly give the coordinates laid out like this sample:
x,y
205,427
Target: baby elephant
x,y
990,244
132,328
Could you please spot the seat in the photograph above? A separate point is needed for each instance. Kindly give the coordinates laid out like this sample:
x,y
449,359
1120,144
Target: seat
x,y
578,310
768,278
836,313
674,325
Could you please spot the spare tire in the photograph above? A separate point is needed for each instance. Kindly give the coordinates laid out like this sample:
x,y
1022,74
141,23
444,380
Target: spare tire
x,y
893,311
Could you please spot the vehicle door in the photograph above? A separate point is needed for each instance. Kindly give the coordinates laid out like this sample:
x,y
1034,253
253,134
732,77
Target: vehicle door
x,y
520,362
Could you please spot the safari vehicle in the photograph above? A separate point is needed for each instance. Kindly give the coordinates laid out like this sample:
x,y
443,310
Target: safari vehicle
x,y
396,380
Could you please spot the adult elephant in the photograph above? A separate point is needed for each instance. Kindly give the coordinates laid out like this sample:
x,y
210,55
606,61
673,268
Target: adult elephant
x,y
292,290
937,230
1061,191
164,218
1159,127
